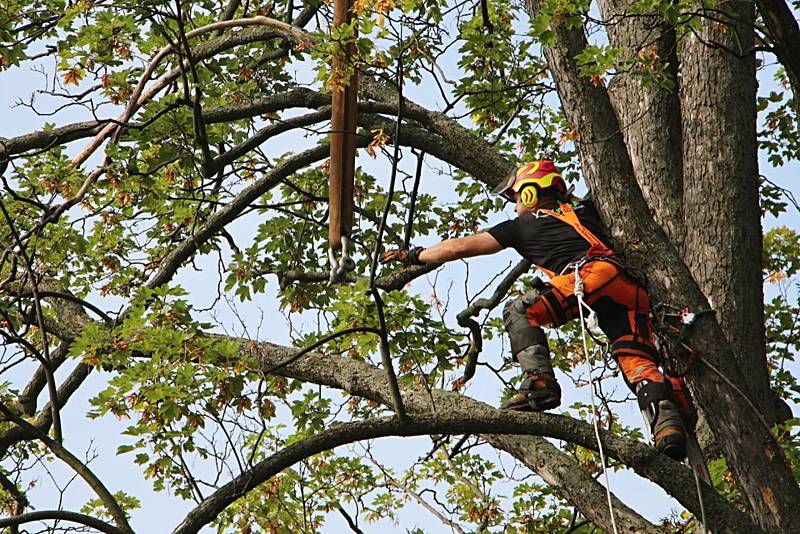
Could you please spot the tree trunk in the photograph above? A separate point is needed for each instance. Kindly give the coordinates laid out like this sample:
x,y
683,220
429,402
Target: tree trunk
x,y
718,99
649,114
763,475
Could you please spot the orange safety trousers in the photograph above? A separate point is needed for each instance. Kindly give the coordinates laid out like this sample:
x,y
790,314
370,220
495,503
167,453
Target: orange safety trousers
x,y
623,310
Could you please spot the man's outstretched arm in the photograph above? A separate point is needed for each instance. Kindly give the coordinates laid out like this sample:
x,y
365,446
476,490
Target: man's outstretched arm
x,y
448,250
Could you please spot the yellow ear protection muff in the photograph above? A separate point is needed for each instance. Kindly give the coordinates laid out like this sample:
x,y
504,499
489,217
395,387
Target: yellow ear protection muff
x,y
529,196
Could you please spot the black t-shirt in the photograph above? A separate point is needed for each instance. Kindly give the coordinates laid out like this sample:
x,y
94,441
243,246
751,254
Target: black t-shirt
x,y
547,241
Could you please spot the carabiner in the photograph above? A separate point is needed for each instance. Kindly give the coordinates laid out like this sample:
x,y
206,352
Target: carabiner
x,y
341,266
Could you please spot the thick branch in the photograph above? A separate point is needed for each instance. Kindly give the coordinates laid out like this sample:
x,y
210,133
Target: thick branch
x,y
648,113
389,282
363,380
341,434
50,138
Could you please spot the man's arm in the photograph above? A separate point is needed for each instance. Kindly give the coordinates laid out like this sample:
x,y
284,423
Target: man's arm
x,y
461,247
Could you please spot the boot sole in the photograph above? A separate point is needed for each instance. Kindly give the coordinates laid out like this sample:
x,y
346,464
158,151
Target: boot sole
x,y
674,446
533,405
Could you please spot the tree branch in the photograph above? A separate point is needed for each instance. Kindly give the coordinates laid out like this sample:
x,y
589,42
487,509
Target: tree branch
x,y
79,467
415,425
465,319
364,380
61,515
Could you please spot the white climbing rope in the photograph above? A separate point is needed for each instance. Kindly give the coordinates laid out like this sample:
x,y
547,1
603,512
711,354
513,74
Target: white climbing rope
x,y
592,320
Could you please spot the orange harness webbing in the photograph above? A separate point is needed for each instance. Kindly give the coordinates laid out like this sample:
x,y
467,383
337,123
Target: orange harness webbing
x,y
566,214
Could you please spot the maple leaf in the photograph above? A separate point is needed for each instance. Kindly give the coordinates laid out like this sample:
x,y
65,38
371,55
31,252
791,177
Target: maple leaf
x,y
378,140
73,76
597,80
776,276
568,135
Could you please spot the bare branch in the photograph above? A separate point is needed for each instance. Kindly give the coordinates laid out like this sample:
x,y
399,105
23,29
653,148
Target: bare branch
x,y
464,318
79,467
61,515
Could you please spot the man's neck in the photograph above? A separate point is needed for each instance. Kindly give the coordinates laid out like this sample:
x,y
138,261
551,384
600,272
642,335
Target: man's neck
x,y
549,204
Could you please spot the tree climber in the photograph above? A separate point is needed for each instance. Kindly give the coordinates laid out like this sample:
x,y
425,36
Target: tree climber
x,y
560,233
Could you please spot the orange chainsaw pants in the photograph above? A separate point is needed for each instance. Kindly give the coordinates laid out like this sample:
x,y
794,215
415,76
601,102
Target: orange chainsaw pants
x,y
623,310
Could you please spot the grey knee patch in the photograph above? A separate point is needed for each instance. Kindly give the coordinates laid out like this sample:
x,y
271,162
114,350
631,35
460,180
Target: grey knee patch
x,y
535,358
525,338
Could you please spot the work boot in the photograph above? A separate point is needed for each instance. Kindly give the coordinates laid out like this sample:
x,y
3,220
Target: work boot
x,y
537,393
664,417
668,431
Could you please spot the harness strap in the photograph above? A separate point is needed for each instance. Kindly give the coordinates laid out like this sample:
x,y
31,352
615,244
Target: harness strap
x,y
567,215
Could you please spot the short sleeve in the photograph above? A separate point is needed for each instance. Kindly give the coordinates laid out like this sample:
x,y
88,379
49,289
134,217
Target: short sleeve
x,y
506,233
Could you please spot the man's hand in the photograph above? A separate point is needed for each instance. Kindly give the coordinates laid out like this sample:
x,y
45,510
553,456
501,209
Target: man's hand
x,y
405,256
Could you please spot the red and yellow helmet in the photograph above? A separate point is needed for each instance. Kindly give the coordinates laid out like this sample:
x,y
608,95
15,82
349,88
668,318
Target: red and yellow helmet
x,y
542,174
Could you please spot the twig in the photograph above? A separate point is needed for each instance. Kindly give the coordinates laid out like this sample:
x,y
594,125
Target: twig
x,y
72,298
319,343
413,203
386,356
79,467
350,522
464,318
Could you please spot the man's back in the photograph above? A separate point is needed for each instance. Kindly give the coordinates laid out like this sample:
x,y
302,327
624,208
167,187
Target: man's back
x,y
547,241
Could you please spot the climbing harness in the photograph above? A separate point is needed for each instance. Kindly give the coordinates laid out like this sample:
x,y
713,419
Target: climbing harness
x,y
567,215
343,153
590,321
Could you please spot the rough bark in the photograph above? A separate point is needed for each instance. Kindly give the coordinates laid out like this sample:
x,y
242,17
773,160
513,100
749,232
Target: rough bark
x,y
649,114
415,425
760,468
718,105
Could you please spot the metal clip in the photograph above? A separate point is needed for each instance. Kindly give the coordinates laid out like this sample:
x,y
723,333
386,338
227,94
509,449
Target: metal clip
x,y
343,265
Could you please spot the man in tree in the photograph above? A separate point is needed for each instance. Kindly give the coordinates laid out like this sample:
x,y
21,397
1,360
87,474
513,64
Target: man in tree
x,y
564,237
